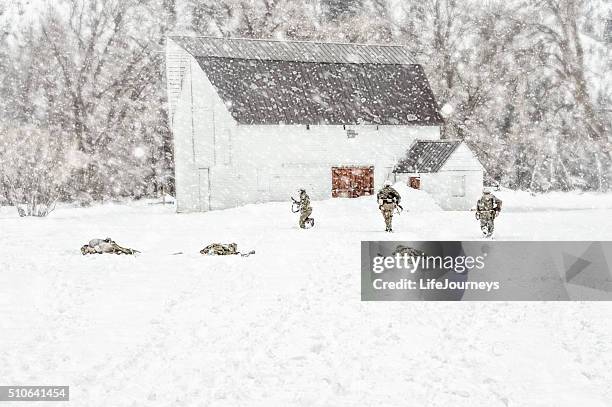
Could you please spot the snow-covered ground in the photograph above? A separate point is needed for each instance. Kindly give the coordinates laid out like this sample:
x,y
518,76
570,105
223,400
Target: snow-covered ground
x,y
286,327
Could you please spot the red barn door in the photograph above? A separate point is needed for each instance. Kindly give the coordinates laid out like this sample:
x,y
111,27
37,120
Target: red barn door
x,y
352,182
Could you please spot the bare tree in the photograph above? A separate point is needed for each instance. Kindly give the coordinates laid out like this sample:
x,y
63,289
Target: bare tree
x,y
553,27
109,72
34,169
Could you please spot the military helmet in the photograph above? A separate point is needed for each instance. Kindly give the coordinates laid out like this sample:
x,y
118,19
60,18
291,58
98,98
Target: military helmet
x,y
387,183
486,190
301,190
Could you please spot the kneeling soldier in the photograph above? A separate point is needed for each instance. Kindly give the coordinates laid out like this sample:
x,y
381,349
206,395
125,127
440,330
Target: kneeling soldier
x,y
388,199
487,209
303,206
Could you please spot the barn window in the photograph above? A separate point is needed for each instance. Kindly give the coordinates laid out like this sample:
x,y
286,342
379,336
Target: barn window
x,y
458,186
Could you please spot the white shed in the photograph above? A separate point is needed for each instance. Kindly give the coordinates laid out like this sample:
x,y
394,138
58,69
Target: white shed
x,y
446,169
255,120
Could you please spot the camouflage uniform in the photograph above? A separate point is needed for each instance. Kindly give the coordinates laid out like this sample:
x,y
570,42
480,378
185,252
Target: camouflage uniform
x,y
305,210
410,251
487,209
219,249
100,246
388,198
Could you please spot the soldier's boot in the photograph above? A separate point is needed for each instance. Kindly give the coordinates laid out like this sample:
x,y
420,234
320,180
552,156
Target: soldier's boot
x,y
306,222
491,227
487,228
484,228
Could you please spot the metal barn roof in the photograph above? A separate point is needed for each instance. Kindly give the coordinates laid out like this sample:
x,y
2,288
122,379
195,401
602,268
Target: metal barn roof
x,y
273,92
427,156
298,51
274,82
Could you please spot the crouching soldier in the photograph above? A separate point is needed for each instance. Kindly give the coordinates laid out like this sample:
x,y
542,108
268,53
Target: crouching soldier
x,y
303,207
487,209
388,199
220,249
108,245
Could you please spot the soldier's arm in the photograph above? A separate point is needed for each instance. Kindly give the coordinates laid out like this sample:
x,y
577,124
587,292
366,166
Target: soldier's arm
x,y
398,197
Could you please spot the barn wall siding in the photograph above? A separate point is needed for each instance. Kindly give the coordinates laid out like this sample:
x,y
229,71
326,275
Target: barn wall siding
x,y
177,61
186,176
269,163
200,120
440,186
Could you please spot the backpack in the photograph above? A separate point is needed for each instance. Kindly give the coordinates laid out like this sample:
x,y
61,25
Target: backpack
x,y
487,207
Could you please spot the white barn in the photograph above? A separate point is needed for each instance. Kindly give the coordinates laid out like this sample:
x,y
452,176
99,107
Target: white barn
x,y
255,120
446,169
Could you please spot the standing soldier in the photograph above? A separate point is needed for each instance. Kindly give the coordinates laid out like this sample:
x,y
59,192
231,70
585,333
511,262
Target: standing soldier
x,y
304,208
487,209
388,199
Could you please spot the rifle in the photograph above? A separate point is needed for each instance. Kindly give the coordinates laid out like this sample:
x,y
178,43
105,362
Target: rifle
x,y
295,206
400,208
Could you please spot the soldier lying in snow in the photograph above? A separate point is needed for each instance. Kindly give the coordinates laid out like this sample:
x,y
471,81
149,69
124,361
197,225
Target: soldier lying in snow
x,y
220,249
410,251
108,245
